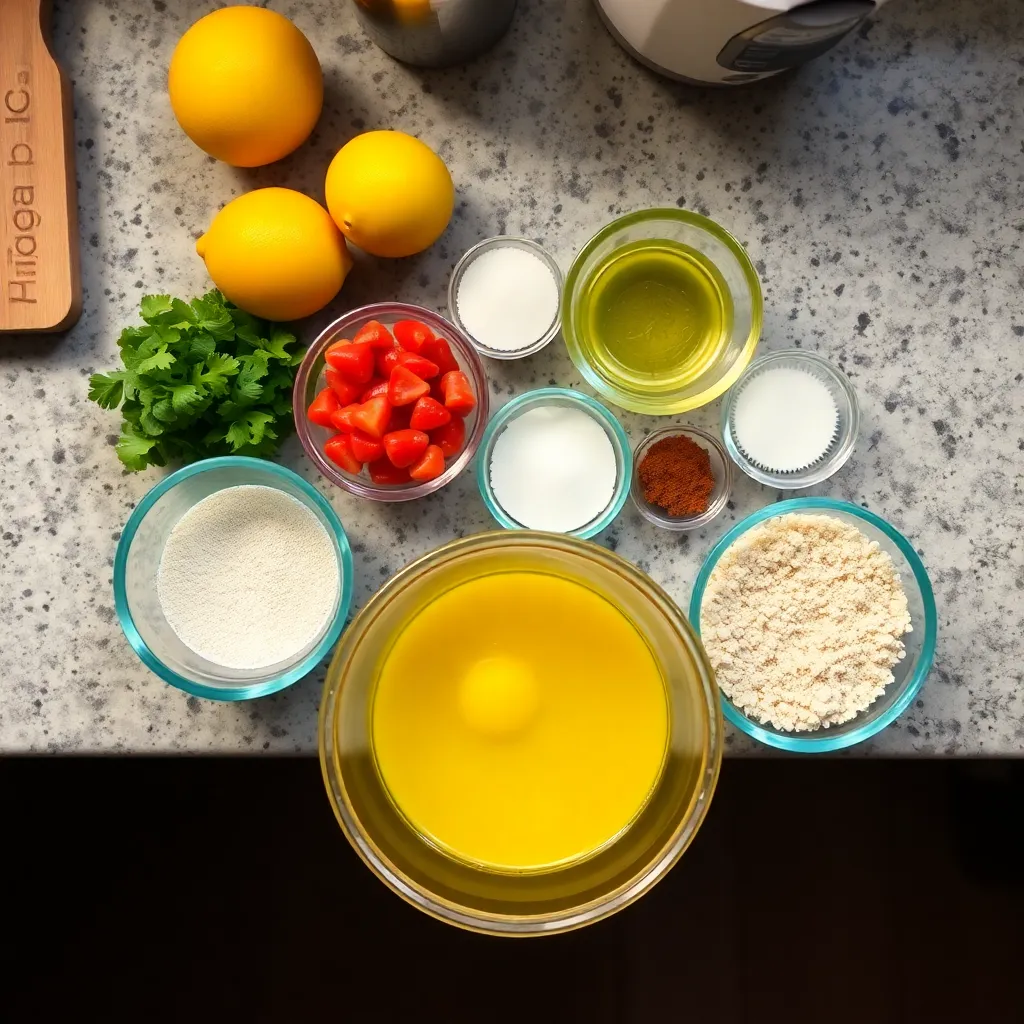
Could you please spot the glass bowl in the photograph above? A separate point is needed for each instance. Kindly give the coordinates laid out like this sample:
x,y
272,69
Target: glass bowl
x,y
309,381
721,467
847,406
138,558
642,391
909,674
512,903
498,242
564,397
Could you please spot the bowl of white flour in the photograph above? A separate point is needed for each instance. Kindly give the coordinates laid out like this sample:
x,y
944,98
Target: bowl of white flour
x,y
819,620
232,578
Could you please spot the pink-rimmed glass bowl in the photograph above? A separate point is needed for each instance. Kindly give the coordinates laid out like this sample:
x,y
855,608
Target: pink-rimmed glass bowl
x,y
309,380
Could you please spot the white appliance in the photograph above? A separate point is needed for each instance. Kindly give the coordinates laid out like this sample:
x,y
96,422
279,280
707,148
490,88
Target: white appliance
x,y
727,42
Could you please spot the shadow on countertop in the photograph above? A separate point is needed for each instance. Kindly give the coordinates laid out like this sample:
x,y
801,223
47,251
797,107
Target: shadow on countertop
x,y
199,889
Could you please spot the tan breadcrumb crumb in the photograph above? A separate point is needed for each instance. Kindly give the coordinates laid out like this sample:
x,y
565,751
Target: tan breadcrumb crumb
x,y
802,620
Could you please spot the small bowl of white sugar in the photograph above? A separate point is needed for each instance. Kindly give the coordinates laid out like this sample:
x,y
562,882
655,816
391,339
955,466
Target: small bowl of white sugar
x,y
232,578
555,460
505,294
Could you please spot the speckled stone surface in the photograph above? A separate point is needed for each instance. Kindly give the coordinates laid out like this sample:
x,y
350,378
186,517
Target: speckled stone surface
x,y
879,192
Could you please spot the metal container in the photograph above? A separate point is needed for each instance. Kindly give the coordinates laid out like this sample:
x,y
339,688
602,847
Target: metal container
x,y
435,33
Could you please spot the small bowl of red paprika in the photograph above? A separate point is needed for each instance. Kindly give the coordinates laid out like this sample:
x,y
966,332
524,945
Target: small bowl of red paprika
x,y
391,402
682,478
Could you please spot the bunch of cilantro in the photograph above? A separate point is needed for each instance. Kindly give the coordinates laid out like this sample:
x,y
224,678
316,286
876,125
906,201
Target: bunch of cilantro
x,y
200,379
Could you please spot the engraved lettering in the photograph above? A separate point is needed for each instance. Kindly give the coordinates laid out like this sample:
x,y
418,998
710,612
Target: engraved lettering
x,y
26,220
24,287
22,214
21,155
9,101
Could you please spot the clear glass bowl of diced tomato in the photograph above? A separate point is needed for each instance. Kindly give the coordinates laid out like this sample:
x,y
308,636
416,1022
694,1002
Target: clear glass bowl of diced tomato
x,y
391,401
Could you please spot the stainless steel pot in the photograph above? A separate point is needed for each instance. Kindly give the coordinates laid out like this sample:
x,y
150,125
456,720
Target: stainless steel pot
x,y
435,33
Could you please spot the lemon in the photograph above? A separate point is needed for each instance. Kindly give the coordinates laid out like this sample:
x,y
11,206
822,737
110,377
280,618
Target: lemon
x,y
245,85
389,193
276,253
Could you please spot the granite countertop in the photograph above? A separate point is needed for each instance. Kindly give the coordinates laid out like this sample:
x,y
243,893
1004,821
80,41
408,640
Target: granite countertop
x,y
878,190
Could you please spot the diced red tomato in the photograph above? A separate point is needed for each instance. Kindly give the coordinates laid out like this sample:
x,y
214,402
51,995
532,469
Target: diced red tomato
x,y
438,351
451,437
429,413
411,335
354,362
320,409
387,359
339,450
429,465
405,387
372,416
342,418
346,391
458,392
376,387
404,447
423,368
401,418
366,448
374,334
382,473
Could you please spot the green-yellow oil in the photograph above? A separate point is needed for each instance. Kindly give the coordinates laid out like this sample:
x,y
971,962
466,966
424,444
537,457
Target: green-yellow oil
x,y
656,312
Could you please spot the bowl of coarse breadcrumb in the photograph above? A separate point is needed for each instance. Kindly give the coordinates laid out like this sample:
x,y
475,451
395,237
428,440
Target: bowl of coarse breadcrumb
x,y
819,620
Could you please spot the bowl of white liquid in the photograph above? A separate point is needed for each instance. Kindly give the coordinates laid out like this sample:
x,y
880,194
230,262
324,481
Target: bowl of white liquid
x,y
232,578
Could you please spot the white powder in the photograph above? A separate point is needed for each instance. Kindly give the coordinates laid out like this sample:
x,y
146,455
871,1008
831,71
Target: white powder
x,y
248,577
507,298
785,419
802,621
553,468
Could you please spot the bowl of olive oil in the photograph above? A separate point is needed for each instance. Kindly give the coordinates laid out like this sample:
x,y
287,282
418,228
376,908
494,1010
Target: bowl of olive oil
x,y
662,311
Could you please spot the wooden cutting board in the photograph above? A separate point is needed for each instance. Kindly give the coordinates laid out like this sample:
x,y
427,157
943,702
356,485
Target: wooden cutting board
x,y
40,286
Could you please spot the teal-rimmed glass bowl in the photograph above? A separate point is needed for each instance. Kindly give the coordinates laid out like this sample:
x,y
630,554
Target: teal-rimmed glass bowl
x,y
908,675
138,558
563,397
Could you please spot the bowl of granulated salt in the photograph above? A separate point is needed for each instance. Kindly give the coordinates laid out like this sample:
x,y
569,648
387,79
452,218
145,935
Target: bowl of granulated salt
x,y
232,578
505,294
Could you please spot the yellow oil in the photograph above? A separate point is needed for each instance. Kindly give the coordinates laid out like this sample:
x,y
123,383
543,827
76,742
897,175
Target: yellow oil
x,y
520,721
655,312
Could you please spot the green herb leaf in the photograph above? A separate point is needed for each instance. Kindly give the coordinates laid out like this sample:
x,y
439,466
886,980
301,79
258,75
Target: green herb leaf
x,y
253,367
153,306
250,428
278,342
148,422
164,411
186,399
132,449
107,389
200,348
160,360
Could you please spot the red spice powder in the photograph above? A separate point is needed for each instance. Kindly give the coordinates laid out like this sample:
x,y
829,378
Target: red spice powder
x,y
675,474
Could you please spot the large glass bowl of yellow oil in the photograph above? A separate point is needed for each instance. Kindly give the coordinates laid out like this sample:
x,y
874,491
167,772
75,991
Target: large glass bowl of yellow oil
x,y
662,311
520,733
